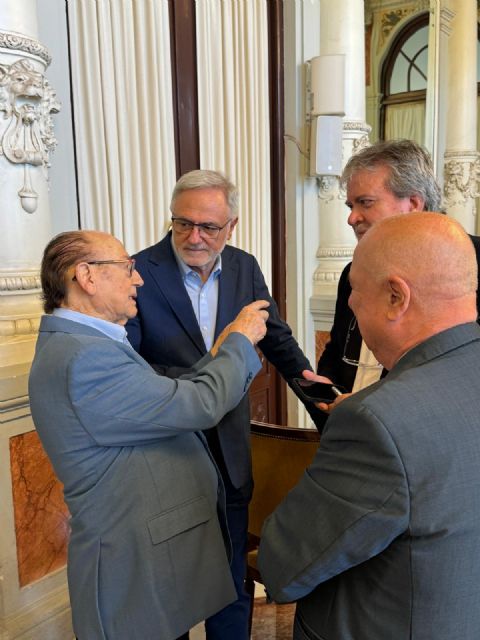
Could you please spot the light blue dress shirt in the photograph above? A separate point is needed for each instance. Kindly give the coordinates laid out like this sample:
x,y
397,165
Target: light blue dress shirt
x,y
203,295
115,331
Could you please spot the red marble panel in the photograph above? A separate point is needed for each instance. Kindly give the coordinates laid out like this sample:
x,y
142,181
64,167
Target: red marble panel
x,y
321,339
41,517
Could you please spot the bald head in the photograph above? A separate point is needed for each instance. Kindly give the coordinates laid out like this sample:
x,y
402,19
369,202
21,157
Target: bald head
x,y
420,271
431,251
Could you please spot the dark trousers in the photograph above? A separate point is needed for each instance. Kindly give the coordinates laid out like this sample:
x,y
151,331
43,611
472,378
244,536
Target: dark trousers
x,y
232,622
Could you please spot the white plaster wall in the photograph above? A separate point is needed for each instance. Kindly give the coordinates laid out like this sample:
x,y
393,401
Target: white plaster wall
x,y
52,32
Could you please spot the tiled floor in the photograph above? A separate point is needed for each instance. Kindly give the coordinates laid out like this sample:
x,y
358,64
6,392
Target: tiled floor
x,y
270,622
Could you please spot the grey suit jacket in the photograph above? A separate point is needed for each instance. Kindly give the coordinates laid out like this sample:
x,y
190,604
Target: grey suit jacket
x,y
147,556
380,539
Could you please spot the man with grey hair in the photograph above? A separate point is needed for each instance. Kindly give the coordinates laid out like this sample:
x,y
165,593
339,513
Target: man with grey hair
x,y
194,285
382,180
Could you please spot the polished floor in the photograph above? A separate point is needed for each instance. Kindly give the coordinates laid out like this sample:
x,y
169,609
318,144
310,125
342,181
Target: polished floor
x,y
270,622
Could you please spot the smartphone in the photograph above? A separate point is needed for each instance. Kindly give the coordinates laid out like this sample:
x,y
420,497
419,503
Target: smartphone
x,y
317,391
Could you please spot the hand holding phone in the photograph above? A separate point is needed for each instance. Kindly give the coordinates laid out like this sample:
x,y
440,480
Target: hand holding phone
x,y
310,391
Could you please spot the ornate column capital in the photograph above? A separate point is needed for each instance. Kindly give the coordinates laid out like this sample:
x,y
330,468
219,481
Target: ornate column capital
x,y
17,42
461,177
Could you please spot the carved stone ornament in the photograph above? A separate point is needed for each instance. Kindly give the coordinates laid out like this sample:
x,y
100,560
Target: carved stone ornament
x,y
19,42
461,178
27,102
343,253
356,125
20,282
360,143
328,188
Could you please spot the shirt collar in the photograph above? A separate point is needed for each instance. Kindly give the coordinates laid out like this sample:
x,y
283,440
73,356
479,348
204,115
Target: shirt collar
x,y
112,330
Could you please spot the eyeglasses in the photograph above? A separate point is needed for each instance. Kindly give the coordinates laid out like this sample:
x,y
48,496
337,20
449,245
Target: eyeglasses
x,y
130,267
182,226
352,361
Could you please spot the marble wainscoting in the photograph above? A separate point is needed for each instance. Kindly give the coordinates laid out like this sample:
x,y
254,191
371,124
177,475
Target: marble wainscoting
x,y
41,517
34,532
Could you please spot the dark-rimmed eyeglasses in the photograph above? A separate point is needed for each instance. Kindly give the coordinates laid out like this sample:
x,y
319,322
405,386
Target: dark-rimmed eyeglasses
x,y
352,361
130,267
206,230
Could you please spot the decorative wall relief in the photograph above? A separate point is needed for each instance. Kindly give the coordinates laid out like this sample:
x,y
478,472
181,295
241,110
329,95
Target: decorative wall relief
x,y
329,188
461,177
27,102
389,20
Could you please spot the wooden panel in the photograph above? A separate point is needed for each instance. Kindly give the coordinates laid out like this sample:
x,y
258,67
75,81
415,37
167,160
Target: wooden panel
x,y
262,393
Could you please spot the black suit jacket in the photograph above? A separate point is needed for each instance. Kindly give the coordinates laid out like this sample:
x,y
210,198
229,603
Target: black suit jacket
x,y
166,333
331,363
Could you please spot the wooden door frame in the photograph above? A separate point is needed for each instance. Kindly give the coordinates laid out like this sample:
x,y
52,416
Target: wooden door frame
x,y
187,146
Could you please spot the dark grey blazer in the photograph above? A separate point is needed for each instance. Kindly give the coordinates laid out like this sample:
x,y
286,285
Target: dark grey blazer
x,y
380,538
147,557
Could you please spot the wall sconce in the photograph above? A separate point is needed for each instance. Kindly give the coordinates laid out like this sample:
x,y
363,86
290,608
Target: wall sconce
x,y
327,87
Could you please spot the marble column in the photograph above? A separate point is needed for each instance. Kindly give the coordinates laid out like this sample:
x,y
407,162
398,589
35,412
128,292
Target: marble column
x,y
34,532
26,139
342,32
462,165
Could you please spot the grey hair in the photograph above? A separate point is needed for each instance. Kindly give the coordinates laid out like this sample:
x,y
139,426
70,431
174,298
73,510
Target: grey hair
x,y
411,170
61,253
207,179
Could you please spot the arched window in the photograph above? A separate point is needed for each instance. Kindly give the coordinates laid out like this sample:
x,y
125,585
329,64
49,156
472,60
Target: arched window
x,y
404,83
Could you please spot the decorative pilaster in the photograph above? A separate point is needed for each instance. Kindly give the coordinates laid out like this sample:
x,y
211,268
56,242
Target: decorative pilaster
x,y
27,139
33,536
342,32
462,165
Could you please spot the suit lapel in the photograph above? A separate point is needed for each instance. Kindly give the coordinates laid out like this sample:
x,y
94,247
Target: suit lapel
x,y
227,292
166,274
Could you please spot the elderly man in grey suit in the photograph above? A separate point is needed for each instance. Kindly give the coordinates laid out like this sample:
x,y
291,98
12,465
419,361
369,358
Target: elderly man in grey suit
x,y
148,554
380,537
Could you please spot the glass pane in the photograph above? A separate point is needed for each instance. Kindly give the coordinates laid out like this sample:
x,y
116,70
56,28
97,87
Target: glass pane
x,y
421,62
416,41
417,81
398,81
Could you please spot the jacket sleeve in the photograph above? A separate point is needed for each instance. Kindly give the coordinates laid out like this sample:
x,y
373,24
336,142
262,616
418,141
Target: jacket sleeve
x,y
121,401
350,504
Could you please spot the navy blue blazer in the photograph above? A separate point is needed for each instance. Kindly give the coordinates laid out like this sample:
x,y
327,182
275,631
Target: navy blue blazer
x,y
166,333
